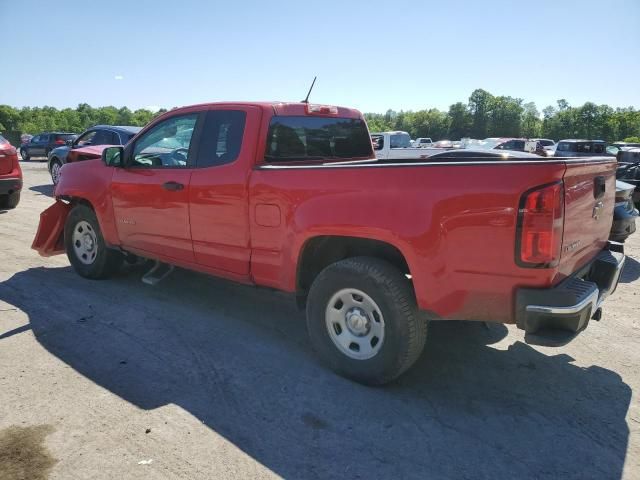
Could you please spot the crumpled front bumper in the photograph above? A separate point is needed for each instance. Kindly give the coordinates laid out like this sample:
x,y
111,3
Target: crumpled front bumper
x,y
572,303
49,238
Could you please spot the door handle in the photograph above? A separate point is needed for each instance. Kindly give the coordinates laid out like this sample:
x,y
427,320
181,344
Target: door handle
x,y
173,186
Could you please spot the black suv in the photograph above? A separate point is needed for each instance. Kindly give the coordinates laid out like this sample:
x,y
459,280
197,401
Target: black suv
x,y
43,143
96,135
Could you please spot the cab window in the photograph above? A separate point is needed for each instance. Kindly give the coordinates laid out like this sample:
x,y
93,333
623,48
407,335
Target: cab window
x,y
221,137
166,145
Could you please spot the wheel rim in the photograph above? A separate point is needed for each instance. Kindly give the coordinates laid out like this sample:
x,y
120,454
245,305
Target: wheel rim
x,y
85,242
355,324
23,154
55,172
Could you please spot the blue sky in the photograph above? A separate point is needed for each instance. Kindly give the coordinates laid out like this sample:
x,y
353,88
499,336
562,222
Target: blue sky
x,y
367,54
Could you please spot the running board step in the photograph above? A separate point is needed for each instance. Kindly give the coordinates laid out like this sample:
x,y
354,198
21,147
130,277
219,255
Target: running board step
x,y
158,272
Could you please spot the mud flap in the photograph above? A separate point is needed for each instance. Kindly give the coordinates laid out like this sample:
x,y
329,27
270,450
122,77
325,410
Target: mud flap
x,y
49,239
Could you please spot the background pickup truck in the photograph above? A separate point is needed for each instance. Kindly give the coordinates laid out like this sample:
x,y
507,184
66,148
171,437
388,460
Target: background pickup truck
x,y
290,196
397,146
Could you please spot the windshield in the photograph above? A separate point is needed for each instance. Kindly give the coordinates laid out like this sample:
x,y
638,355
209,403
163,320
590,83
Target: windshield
x,y
303,138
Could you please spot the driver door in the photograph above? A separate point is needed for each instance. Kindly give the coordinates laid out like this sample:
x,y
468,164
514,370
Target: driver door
x,y
151,193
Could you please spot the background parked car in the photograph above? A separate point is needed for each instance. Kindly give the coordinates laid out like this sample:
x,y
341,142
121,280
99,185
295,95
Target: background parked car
x,y
513,145
443,144
97,135
624,213
548,145
629,170
625,145
41,144
581,148
422,142
10,175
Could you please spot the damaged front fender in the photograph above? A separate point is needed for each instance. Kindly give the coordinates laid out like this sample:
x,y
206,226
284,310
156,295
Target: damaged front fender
x,y
49,239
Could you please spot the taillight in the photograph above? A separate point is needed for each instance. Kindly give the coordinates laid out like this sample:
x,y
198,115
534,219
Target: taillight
x,y
59,142
540,226
322,109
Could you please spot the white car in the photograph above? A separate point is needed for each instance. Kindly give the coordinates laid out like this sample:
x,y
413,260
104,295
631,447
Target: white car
x,y
423,142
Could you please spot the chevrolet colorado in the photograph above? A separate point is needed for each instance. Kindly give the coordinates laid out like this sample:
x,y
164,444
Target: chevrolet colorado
x,y
291,196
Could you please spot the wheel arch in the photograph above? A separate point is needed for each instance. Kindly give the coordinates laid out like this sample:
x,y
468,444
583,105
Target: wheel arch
x,y
320,251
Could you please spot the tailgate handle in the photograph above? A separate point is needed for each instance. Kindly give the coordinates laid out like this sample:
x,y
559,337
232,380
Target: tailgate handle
x,y
599,187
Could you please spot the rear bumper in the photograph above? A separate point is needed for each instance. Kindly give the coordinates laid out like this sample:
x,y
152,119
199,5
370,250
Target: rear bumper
x,y
572,303
10,185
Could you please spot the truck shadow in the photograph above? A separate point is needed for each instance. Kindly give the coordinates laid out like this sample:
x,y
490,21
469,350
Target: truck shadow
x,y
46,190
238,359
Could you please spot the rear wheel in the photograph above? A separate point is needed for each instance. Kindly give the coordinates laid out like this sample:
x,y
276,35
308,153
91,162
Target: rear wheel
x,y
363,320
9,200
24,154
56,165
85,245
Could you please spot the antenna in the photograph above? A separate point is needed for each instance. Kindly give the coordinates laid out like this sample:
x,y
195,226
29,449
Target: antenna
x,y
306,100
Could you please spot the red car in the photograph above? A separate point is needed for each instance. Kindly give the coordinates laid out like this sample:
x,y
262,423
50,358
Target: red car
x,y
291,196
10,175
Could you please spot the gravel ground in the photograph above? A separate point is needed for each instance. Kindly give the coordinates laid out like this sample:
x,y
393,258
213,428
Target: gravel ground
x,y
200,378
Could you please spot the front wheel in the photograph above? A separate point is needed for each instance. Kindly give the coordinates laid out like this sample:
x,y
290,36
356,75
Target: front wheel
x,y
24,154
85,245
363,320
56,165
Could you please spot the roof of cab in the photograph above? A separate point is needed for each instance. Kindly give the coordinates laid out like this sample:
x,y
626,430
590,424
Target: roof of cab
x,y
278,108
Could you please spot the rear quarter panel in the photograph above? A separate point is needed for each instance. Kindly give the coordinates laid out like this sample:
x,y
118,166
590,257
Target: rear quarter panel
x,y
454,224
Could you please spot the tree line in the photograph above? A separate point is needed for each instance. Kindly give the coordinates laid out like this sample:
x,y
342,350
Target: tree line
x,y
486,115
16,121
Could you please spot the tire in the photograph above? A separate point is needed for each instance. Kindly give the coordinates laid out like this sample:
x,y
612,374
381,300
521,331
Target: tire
x,y
24,154
380,303
9,200
56,165
85,245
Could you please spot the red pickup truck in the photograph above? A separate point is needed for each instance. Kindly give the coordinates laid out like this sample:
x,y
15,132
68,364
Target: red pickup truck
x,y
290,196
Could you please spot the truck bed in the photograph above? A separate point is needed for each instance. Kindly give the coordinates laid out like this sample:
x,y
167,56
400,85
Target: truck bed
x,y
454,222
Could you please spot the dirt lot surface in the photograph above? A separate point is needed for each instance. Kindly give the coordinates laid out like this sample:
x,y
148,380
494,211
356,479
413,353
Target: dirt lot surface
x,y
200,378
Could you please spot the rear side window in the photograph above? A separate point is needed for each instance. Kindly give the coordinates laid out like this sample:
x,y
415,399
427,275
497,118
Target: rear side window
x,y
565,147
583,147
317,138
102,137
124,138
221,137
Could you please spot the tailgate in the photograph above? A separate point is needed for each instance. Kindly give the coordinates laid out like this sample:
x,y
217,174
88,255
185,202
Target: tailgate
x,y
589,189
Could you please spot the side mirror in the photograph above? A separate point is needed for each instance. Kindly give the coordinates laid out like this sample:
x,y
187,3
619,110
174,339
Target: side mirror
x,y
113,156
69,143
